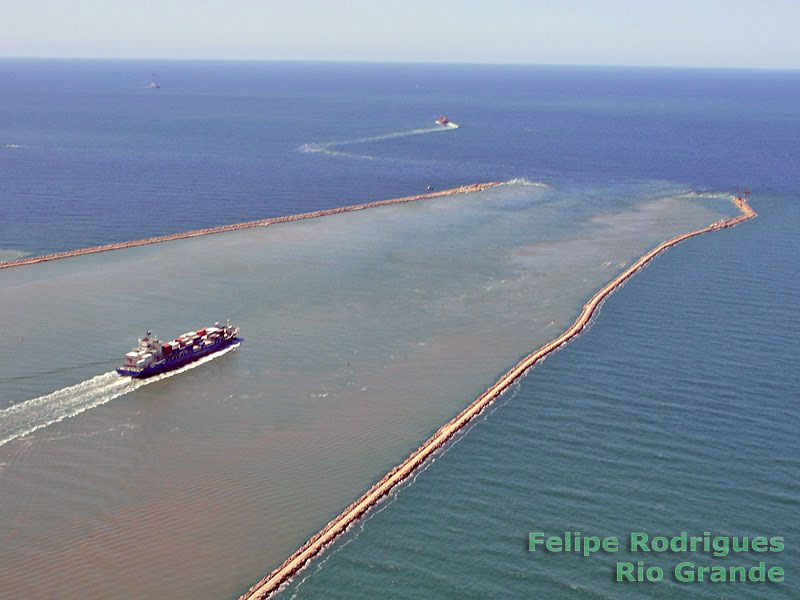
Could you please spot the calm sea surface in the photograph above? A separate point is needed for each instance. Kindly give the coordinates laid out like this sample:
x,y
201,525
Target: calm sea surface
x,y
677,411
364,332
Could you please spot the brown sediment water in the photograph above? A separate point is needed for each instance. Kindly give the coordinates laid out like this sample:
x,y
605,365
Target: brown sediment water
x,y
281,575
30,260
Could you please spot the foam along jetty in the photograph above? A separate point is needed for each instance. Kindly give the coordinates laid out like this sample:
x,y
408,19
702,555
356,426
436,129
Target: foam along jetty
x,y
272,582
30,260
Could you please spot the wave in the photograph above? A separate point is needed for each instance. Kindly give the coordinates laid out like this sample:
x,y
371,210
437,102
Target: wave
x,y
707,195
26,417
329,147
524,181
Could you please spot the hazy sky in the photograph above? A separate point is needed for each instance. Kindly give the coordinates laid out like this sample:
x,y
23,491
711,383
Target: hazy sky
x,y
730,33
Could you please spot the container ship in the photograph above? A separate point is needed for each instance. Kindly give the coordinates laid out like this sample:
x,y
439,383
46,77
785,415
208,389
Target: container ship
x,y
152,356
446,122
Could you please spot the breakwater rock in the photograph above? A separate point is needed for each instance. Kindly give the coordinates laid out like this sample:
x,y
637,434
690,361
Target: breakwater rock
x,y
272,582
30,260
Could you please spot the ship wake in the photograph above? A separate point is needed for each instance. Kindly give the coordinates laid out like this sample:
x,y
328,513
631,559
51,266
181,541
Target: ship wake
x,y
331,148
31,415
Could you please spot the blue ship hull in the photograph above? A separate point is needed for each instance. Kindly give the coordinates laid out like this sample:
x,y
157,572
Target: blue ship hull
x,y
180,359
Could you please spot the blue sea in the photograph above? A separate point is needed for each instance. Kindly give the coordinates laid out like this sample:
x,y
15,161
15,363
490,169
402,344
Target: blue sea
x,y
90,155
675,411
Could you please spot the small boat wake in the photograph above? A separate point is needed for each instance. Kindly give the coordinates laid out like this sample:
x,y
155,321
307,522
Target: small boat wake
x,y
31,415
330,148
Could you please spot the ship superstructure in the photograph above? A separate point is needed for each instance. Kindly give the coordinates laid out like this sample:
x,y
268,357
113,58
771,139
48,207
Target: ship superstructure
x,y
152,356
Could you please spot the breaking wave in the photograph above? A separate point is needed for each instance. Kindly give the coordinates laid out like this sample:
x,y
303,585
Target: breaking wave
x,y
26,417
329,148
524,181
707,195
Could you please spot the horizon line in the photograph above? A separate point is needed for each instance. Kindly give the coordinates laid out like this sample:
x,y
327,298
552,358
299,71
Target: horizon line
x,y
404,62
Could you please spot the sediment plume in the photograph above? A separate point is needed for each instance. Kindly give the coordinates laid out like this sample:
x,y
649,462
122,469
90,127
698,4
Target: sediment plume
x,y
30,260
281,575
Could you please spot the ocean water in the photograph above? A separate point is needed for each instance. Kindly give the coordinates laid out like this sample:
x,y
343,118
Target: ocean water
x,y
89,155
676,411
364,332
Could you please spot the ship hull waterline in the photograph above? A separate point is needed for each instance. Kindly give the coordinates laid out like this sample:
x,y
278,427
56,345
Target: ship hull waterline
x,y
149,371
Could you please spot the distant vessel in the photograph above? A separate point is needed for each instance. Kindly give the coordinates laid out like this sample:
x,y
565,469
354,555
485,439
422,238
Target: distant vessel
x,y
153,86
445,122
151,356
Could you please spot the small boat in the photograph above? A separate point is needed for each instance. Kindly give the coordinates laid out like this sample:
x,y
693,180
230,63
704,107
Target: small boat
x,y
153,86
152,356
446,122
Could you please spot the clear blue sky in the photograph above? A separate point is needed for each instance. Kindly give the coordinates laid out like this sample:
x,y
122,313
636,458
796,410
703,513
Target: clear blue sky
x,y
733,33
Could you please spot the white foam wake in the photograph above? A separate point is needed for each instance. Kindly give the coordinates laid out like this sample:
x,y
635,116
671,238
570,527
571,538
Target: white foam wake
x,y
706,195
330,147
528,182
26,417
